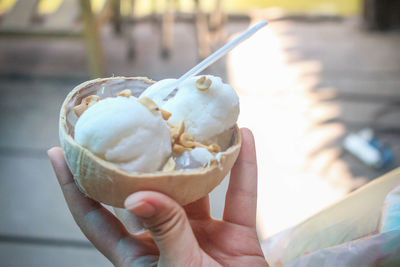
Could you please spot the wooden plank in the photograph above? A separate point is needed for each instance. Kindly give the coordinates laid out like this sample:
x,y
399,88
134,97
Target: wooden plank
x,y
20,15
218,35
378,89
65,18
105,13
355,113
167,29
93,42
203,36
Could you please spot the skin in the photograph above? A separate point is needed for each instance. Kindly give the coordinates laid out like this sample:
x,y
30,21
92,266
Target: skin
x,y
177,236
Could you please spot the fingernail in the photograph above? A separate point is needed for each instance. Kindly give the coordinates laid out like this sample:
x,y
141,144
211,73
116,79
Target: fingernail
x,y
140,208
49,152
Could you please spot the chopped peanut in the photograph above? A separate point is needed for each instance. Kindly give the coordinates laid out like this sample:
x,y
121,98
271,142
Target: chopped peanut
x,y
148,103
179,149
203,83
176,132
80,109
170,165
214,148
125,93
165,114
92,99
85,104
182,141
187,140
181,128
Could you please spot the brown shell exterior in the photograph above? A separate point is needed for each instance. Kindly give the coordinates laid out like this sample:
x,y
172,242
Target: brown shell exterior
x,y
107,183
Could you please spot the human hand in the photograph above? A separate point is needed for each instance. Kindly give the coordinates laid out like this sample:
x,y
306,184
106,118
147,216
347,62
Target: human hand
x,y
177,236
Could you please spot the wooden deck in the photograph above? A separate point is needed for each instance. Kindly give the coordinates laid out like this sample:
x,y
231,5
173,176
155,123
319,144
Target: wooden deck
x,y
303,86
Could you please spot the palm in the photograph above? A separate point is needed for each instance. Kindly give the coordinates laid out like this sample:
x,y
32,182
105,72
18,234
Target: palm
x,y
228,243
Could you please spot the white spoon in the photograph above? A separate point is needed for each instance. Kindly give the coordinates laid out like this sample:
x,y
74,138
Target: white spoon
x,y
170,86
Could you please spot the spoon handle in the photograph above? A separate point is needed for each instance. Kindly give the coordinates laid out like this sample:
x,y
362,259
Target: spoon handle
x,y
221,52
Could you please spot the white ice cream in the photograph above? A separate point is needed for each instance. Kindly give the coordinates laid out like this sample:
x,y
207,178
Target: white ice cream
x,y
206,113
123,131
159,91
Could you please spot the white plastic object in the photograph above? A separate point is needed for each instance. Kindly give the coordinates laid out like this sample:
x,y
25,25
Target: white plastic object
x,y
358,145
221,52
171,86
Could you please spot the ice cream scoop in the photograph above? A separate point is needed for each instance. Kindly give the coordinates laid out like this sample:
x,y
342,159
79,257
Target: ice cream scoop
x,y
206,105
123,131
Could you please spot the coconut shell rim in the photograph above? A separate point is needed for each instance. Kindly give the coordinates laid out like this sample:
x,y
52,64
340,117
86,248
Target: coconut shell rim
x,y
113,167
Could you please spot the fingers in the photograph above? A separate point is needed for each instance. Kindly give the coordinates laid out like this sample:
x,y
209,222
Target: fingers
x,y
168,224
199,209
96,222
241,197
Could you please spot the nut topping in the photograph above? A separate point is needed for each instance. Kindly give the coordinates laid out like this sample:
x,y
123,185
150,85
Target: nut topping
x,y
149,104
80,109
214,148
176,132
126,93
170,165
182,141
187,140
181,127
173,132
165,114
92,99
203,83
179,149
85,104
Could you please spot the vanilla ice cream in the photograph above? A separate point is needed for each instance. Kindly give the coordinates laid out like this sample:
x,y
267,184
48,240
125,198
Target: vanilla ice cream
x,y
206,113
123,131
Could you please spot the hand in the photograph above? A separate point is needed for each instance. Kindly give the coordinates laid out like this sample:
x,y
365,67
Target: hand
x,y
177,236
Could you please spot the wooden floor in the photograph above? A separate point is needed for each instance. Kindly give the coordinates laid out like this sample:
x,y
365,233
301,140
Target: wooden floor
x,y
303,86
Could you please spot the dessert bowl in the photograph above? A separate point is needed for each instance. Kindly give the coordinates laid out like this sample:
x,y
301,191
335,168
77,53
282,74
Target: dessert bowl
x,y
106,182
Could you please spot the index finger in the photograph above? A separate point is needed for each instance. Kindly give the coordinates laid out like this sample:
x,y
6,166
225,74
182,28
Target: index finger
x,y
241,197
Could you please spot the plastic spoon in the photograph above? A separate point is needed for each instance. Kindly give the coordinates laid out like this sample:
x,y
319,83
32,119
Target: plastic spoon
x,y
220,52
164,91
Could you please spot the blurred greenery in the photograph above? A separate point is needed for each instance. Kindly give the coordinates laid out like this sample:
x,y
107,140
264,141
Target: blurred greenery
x,y
143,7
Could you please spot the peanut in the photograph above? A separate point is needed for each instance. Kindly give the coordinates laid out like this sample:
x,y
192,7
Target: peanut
x,y
203,83
165,114
179,149
85,104
187,140
170,165
126,93
149,104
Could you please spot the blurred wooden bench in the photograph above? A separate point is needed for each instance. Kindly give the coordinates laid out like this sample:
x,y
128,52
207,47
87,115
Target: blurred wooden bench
x,y
73,18
207,28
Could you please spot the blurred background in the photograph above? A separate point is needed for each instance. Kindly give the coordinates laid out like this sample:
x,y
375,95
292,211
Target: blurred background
x,y
319,87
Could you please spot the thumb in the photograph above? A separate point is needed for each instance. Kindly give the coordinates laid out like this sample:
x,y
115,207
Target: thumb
x,y
167,222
